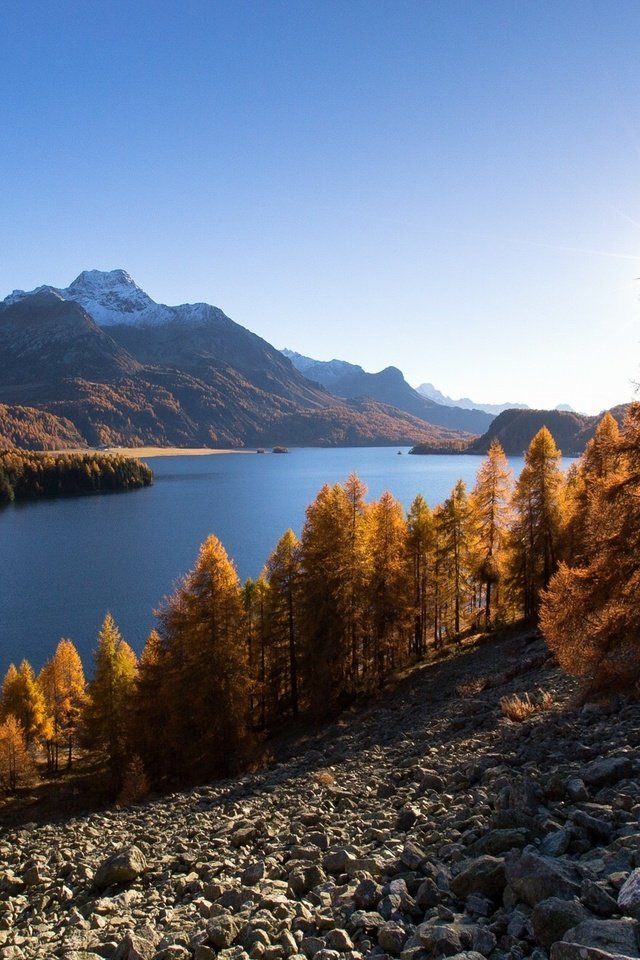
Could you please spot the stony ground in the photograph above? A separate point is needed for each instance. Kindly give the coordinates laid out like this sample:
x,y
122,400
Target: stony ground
x,y
424,825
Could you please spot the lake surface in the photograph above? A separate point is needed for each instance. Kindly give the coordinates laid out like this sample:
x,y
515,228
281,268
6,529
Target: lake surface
x,y
66,562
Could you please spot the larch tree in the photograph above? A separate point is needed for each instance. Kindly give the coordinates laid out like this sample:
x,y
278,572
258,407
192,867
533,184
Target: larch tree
x,y
490,515
16,762
110,696
455,543
254,599
536,530
590,614
63,684
282,574
388,587
23,698
146,718
420,547
208,686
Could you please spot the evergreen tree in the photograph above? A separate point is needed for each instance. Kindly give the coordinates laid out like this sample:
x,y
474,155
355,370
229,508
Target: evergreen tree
x,y
16,763
254,597
22,697
454,520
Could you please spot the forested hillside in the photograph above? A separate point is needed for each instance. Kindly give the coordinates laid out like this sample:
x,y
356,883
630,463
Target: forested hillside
x,y
27,475
365,592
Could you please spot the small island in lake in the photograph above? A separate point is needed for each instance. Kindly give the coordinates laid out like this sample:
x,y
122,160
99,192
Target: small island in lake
x,y
30,474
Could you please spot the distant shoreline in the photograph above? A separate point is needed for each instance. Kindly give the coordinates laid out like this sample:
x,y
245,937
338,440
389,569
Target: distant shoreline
x,y
147,453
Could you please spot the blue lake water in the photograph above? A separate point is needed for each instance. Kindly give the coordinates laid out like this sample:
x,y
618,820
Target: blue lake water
x,y
66,562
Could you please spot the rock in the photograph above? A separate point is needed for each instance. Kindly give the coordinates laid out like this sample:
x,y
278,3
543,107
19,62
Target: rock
x,y
392,937
485,876
135,947
576,789
614,936
553,917
428,895
338,939
500,841
576,951
629,895
610,770
121,868
253,874
599,829
431,781
221,932
533,878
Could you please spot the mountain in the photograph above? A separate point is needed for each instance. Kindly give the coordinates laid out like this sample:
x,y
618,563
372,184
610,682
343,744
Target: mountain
x,y
388,386
432,393
122,369
515,429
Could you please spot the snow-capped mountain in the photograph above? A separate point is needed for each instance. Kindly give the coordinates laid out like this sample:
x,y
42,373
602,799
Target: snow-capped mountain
x,y
113,297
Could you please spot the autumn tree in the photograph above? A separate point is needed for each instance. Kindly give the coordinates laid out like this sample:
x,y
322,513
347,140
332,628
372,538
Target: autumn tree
x,y
282,574
22,697
16,763
388,587
490,514
110,695
254,598
207,687
537,525
146,715
455,537
333,587
63,684
590,614
420,544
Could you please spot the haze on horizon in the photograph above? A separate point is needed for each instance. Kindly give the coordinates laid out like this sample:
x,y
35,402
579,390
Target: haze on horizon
x,y
447,187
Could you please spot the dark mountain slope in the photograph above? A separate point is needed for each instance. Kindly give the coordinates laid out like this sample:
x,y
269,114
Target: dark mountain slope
x,y
515,429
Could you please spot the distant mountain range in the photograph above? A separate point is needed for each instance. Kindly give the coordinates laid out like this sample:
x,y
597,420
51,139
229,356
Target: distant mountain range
x,y
388,386
432,393
100,361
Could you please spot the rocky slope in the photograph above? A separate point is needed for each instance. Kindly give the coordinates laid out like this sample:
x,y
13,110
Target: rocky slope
x,y
422,826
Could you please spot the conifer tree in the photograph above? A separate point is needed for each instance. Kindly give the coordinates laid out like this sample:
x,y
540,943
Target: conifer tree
x,y
203,631
282,574
16,763
454,520
146,719
590,614
63,684
537,526
420,551
388,586
111,695
490,514
23,698
254,598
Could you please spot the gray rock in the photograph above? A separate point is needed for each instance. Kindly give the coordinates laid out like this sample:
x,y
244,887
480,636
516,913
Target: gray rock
x,y
121,868
576,789
614,936
533,878
485,876
629,895
221,932
553,917
597,899
500,841
576,951
610,770
392,937
253,873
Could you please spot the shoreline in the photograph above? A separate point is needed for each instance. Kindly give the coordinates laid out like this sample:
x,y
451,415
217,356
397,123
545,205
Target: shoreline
x,y
147,453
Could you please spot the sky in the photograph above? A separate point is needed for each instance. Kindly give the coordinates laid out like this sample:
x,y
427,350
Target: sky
x,y
445,186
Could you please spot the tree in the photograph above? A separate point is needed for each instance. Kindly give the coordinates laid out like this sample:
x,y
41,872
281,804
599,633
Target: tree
x,y
282,574
420,551
490,512
147,715
254,598
64,687
207,688
388,586
537,526
16,764
23,698
455,545
110,695
590,614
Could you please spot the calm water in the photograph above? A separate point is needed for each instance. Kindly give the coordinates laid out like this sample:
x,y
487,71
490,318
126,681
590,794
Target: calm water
x,y
65,563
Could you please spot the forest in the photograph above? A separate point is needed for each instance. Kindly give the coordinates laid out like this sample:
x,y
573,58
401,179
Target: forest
x,y
28,475
364,592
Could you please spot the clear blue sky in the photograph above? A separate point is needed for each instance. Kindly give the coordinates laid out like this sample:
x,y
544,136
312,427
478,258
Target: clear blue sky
x,y
451,187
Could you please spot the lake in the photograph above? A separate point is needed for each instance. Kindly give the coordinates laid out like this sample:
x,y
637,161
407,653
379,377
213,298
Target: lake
x,y
66,562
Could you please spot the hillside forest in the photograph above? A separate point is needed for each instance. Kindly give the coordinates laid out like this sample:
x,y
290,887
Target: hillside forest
x,y
364,592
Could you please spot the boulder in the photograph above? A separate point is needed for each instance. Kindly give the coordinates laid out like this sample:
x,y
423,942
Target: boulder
x,y
608,771
533,878
629,895
553,917
485,876
614,936
121,868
